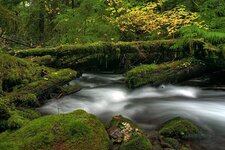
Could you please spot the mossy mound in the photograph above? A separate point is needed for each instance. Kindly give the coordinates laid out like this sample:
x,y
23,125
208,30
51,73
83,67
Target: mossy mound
x,y
130,137
17,118
139,143
180,128
174,143
15,71
173,72
75,131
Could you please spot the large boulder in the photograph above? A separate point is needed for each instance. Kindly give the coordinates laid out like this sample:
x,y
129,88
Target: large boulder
x,y
127,135
74,131
181,128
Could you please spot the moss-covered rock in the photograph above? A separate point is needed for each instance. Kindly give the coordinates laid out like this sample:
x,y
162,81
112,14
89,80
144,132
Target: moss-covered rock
x,y
75,131
166,73
181,129
174,143
123,131
15,71
139,143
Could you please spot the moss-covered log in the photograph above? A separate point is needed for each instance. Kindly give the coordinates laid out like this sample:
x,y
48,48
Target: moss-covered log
x,y
104,55
34,92
25,84
167,73
75,131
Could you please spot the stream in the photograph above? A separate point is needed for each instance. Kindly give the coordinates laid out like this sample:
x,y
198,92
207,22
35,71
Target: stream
x,y
106,95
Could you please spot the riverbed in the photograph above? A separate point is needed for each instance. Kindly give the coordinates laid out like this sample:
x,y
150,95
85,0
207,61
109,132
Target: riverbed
x,y
106,95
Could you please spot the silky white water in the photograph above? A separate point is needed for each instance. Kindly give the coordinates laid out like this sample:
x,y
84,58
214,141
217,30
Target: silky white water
x,y
106,95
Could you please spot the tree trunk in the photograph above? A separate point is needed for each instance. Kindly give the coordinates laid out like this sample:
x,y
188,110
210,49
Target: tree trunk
x,y
41,22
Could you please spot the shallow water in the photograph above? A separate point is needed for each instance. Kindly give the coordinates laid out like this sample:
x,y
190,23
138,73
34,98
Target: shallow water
x,y
106,95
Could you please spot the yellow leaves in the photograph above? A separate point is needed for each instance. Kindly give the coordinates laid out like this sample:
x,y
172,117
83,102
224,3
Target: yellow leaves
x,y
147,19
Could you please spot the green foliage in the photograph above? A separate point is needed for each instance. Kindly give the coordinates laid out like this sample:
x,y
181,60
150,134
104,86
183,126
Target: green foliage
x,y
78,130
208,36
84,24
187,34
213,12
47,22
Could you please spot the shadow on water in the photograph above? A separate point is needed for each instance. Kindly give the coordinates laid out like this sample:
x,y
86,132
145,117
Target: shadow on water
x,y
106,95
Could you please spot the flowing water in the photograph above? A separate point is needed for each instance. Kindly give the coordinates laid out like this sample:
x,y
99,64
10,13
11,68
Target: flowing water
x,y
106,95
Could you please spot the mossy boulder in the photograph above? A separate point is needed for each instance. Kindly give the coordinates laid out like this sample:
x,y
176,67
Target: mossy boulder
x,y
167,73
181,128
174,143
126,133
15,71
75,131
139,143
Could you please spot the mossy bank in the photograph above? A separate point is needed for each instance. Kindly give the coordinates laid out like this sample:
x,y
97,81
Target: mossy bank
x,y
75,131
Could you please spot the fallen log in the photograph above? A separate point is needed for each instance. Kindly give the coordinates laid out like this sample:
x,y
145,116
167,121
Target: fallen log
x,y
104,55
167,73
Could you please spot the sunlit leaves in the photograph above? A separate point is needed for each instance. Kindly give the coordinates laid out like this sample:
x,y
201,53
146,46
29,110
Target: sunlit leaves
x,y
148,19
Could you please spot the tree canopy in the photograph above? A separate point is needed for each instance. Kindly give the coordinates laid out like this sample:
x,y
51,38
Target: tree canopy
x,y
49,22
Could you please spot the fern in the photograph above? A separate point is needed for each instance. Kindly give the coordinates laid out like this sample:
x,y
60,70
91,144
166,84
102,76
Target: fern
x,y
187,34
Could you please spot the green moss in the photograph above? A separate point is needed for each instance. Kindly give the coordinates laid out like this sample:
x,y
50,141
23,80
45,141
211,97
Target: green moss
x,y
4,109
16,71
17,117
30,114
139,143
181,128
30,94
104,55
78,130
23,99
42,60
173,142
65,90
172,72
16,121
